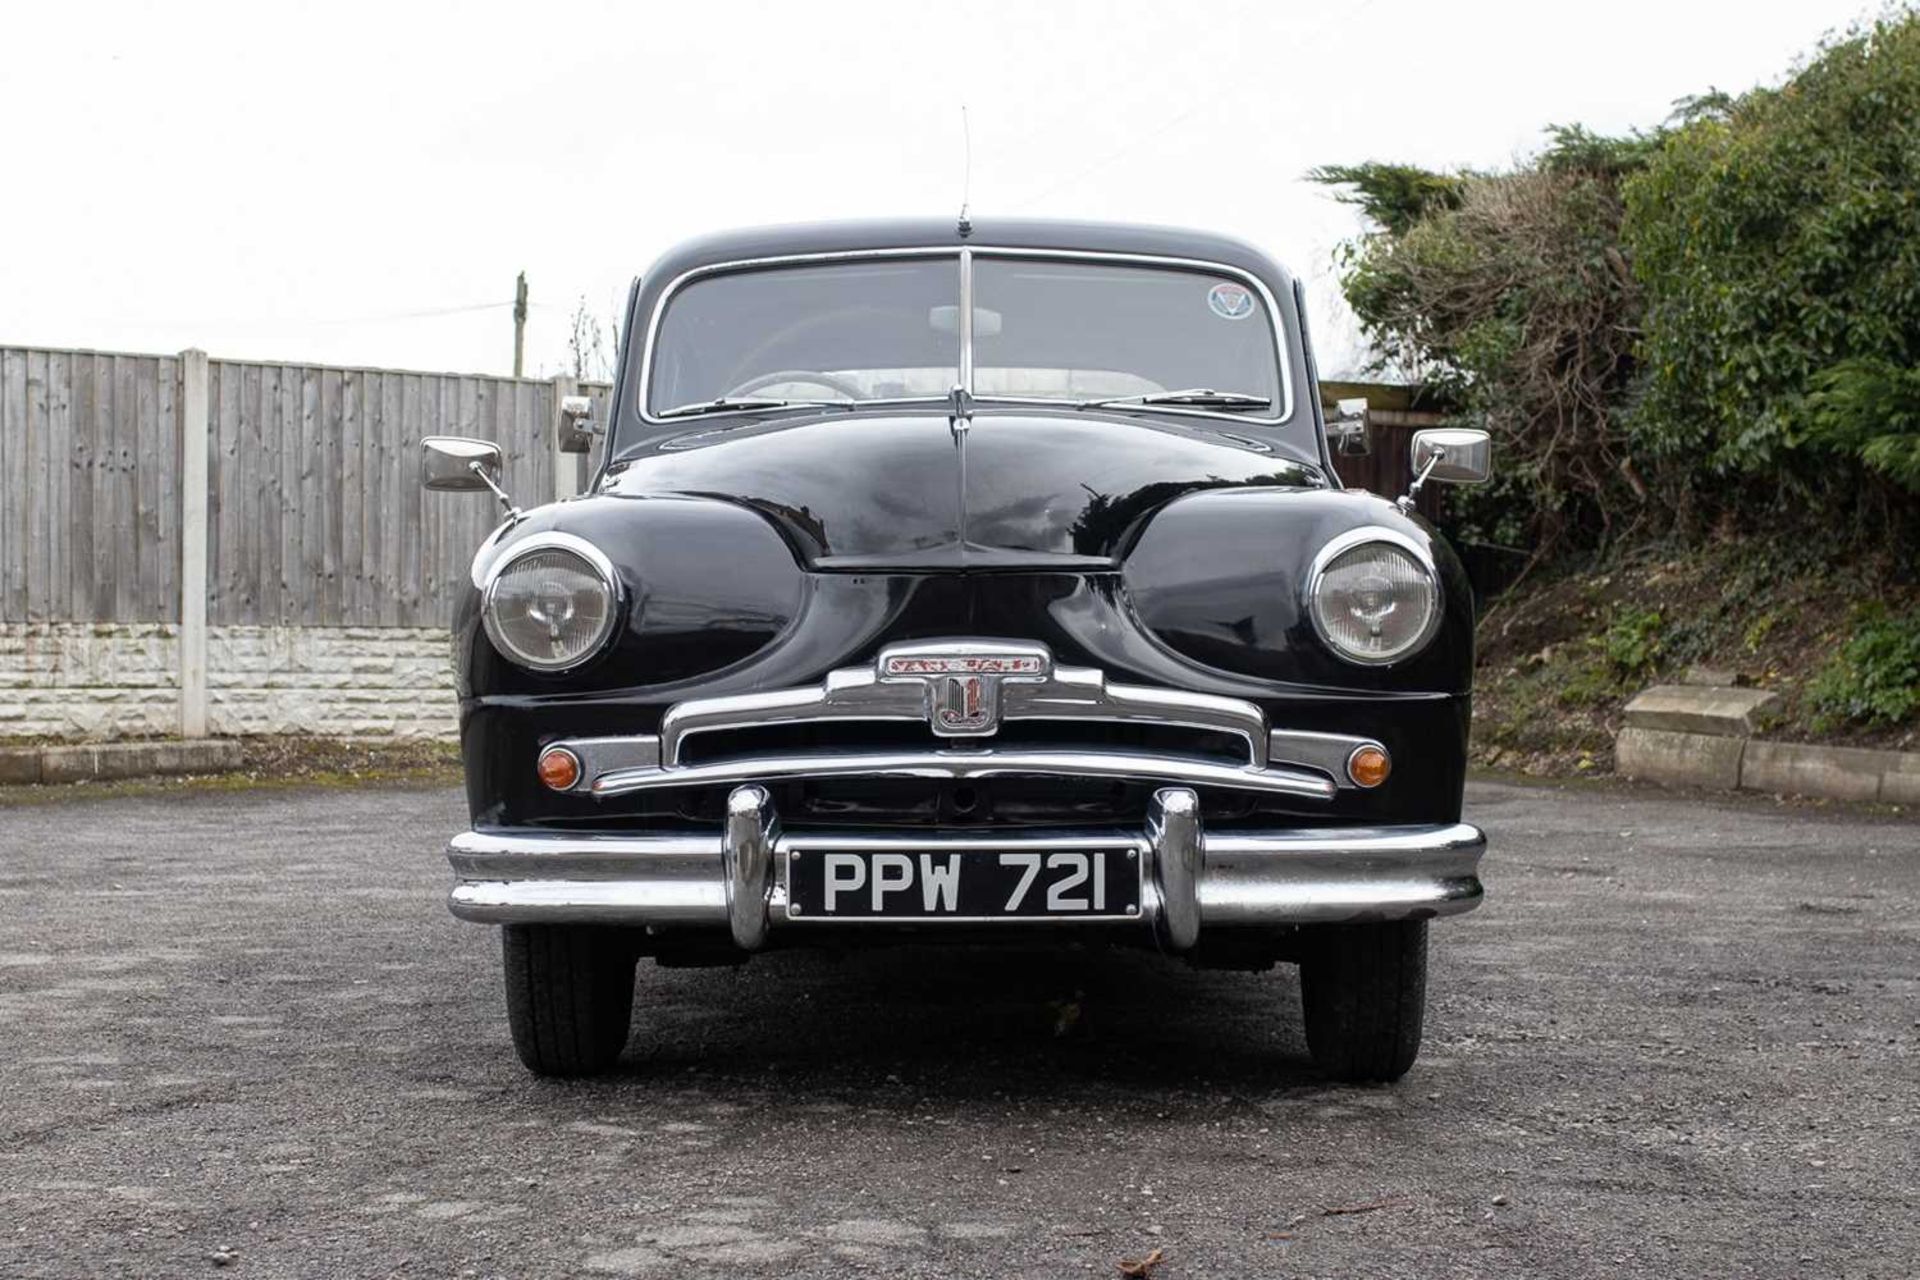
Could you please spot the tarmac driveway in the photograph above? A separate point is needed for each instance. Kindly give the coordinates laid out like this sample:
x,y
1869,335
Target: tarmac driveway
x,y
239,1034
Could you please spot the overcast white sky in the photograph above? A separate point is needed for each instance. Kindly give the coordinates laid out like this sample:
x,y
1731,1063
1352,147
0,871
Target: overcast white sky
x,y
262,180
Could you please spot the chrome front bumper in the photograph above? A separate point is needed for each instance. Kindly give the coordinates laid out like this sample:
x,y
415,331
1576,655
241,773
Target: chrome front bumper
x,y
735,878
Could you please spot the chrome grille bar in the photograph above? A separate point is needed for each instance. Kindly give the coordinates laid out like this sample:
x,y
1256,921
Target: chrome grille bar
x,y
1118,766
1065,693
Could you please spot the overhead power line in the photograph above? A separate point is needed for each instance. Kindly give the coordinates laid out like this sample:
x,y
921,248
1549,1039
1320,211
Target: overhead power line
x,y
427,314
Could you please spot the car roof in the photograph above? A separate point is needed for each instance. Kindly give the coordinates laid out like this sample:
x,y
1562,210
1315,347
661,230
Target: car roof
x,y
945,233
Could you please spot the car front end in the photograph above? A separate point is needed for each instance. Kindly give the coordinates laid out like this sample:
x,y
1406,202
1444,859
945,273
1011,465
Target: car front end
x,y
1081,648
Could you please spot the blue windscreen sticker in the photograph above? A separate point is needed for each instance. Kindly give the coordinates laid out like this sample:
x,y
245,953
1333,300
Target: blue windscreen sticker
x,y
1230,301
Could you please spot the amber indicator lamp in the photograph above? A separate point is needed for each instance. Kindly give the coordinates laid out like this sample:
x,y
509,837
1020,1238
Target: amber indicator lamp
x,y
559,768
1369,766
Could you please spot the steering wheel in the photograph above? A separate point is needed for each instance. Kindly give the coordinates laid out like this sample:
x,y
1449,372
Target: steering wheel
x,y
839,386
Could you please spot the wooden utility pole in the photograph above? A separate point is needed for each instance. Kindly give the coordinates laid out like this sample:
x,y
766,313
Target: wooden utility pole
x,y
519,322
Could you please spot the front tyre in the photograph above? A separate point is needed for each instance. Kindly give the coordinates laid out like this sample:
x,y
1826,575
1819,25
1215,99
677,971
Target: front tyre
x,y
1364,992
569,995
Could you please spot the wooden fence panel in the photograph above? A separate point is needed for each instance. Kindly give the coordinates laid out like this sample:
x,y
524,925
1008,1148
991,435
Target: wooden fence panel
x,y
40,446
89,486
314,509
320,519
78,531
54,469
15,462
1387,468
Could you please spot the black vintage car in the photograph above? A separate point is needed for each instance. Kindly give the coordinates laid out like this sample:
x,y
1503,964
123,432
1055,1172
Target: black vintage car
x,y
953,582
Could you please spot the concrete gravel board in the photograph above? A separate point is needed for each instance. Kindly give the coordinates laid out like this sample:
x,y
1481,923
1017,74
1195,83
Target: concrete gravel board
x,y
19,765
138,759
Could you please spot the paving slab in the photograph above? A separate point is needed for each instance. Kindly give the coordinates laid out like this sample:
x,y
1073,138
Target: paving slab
x,y
1687,708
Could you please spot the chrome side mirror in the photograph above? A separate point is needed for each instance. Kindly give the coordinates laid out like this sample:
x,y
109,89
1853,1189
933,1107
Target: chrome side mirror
x,y
575,429
448,463
1351,428
458,464
1451,455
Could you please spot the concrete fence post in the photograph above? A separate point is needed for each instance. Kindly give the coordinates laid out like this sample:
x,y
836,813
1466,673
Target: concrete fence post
x,y
566,471
193,544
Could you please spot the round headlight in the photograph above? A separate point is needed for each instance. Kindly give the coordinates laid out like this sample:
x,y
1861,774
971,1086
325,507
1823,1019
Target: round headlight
x,y
551,603
1373,596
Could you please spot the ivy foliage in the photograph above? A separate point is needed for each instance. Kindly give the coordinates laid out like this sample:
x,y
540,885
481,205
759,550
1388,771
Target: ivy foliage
x,y
1875,677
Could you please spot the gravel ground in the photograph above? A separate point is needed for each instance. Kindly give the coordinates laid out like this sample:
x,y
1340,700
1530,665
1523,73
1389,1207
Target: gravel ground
x,y
242,1036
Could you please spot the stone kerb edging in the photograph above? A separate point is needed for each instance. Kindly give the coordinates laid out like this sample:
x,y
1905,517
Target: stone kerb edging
x,y
1702,736
25,765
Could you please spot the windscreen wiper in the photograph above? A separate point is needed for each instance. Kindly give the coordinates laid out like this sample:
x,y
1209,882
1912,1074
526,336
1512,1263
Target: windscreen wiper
x,y
742,404
1191,397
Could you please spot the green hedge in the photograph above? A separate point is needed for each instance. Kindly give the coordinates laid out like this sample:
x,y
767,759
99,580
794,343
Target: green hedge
x,y
1714,326
1508,293
1775,237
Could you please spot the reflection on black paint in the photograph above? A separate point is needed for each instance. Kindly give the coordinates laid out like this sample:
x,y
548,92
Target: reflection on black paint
x,y
887,486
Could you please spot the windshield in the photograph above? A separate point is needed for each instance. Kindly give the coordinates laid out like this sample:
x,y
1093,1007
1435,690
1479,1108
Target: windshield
x,y
1055,330
1050,329
839,331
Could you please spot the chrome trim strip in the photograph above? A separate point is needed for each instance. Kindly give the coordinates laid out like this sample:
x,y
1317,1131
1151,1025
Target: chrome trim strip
x,y
605,755
1326,753
826,701
1359,537
966,254
966,320
968,765
1179,851
1257,878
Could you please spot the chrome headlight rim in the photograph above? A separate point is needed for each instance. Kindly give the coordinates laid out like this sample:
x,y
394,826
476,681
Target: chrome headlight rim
x,y
595,559
1338,546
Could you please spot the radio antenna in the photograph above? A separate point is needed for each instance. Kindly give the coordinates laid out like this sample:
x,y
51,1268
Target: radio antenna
x,y
966,179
